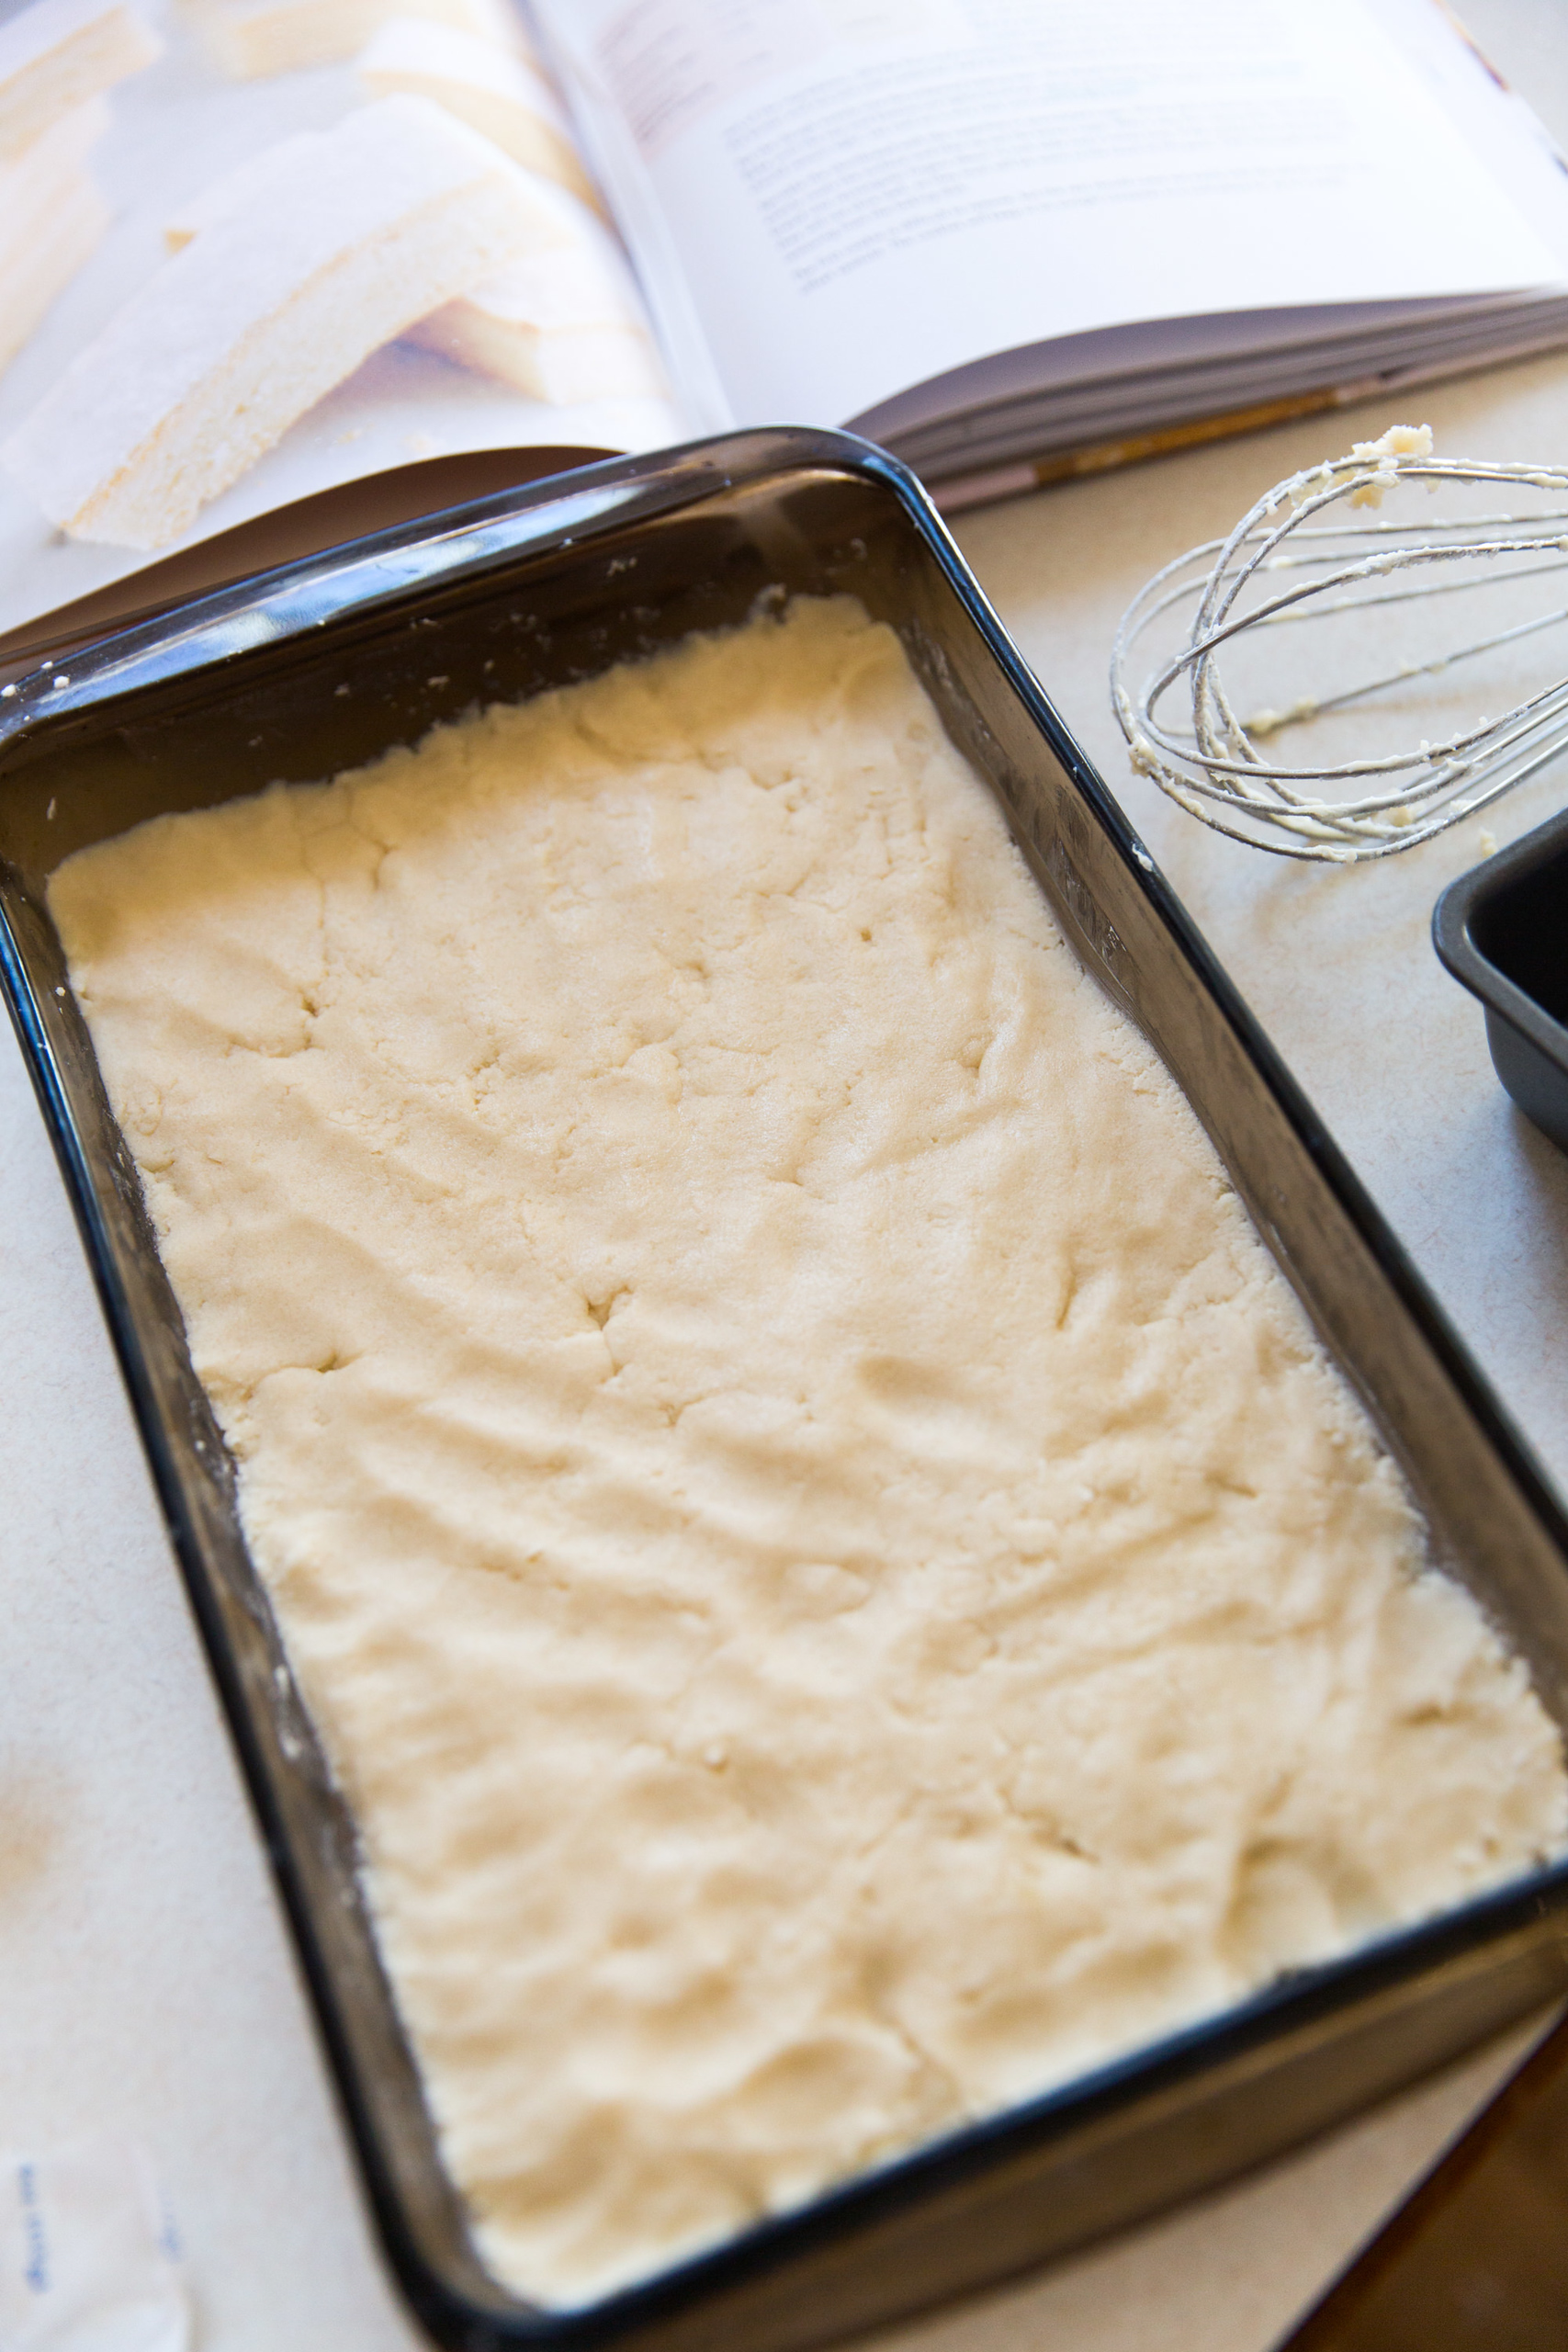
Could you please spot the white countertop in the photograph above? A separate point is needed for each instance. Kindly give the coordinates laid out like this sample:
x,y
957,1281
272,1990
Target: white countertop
x,y
149,1987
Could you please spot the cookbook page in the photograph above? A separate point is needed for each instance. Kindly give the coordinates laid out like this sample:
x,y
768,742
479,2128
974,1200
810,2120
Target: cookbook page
x,y
832,200
254,249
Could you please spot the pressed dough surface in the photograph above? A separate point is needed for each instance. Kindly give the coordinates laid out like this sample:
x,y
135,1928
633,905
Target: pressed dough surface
x,y
832,1571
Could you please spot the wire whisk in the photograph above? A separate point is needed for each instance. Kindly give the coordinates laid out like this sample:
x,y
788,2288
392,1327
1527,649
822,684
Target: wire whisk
x,y
1285,564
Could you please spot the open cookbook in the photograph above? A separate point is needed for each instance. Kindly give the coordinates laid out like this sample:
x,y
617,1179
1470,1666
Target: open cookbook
x,y
252,251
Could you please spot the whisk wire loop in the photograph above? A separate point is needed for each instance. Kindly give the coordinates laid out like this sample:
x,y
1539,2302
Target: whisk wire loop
x,y
1217,771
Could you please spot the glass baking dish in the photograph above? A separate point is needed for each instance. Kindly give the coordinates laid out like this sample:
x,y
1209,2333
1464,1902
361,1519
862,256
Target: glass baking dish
x,y
321,665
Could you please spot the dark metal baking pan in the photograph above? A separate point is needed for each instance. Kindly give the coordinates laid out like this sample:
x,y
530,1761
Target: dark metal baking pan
x,y
1502,929
496,600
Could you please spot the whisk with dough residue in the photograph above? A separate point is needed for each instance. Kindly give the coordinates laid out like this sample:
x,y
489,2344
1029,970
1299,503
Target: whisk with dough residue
x,y
1290,560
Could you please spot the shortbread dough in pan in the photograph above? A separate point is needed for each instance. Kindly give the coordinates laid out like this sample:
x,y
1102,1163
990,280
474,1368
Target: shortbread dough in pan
x,y
838,1583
